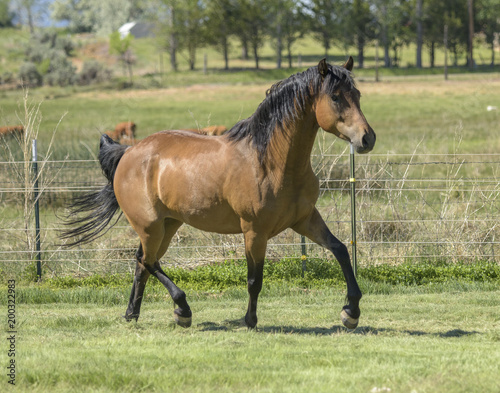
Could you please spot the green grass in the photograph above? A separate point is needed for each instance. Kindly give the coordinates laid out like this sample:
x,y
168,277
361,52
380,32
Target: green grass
x,y
407,341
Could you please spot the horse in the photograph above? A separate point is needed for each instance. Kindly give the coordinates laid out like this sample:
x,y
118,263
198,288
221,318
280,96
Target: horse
x,y
256,180
16,131
123,133
210,130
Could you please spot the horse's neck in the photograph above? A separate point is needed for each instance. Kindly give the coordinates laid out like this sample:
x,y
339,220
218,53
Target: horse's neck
x,y
289,152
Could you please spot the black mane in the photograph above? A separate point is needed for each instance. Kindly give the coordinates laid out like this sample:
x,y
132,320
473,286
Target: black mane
x,y
286,101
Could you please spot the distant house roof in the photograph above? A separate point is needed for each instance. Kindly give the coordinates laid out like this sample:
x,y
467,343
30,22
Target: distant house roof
x,y
137,29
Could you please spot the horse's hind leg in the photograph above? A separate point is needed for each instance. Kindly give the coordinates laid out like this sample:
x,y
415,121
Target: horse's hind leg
x,y
140,280
154,250
315,229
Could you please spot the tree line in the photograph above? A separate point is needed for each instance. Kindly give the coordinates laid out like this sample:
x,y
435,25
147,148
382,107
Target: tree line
x,y
188,25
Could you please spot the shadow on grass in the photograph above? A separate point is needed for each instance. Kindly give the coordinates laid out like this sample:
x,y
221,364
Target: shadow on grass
x,y
322,331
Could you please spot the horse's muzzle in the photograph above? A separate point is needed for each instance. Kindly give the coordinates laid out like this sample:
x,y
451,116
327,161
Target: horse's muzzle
x,y
367,142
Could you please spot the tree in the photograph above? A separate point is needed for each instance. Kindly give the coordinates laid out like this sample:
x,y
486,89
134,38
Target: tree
x,y
101,17
6,14
220,26
251,25
437,13
287,23
420,32
361,21
181,26
192,15
121,47
326,21
393,26
488,21
79,14
294,26
28,11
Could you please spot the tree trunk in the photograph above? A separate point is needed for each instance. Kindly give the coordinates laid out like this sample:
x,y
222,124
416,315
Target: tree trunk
x,y
420,33
361,51
256,55
173,41
279,42
192,57
492,53
244,48
432,53
31,24
289,50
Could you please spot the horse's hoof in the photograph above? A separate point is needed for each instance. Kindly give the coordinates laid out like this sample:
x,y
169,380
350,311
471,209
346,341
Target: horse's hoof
x,y
184,322
250,322
348,321
131,317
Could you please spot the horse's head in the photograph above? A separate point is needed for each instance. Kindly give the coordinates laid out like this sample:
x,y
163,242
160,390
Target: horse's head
x,y
337,107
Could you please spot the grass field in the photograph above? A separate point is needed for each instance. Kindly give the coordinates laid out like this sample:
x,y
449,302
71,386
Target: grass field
x,y
411,339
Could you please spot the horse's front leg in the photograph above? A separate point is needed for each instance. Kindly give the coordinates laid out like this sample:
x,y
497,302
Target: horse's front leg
x,y
315,229
255,249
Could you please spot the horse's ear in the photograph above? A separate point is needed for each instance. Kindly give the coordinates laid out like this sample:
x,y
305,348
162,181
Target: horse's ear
x,y
349,63
323,68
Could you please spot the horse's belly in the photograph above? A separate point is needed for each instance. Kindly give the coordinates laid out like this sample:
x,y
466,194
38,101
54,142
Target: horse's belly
x,y
217,219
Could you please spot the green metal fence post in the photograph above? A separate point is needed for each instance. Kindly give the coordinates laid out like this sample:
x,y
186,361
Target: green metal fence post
x,y
37,212
352,180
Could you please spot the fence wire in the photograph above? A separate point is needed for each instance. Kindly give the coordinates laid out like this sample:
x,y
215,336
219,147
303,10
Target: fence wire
x,y
410,207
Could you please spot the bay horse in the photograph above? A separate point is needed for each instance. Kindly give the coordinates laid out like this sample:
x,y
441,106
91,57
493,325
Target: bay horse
x,y
16,131
123,133
256,179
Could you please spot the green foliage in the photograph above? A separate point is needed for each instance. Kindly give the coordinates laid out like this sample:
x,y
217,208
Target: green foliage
x,y
6,15
119,45
60,71
50,53
29,75
93,72
428,273
319,273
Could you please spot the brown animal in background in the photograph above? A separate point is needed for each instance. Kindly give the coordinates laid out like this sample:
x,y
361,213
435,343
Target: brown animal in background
x,y
211,130
126,128
123,133
12,131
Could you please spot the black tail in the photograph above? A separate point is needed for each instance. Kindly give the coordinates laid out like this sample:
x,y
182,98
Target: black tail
x,y
98,207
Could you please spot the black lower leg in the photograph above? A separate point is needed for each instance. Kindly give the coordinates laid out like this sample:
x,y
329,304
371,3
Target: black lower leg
x,y
353,292
254,279
177,295
137,293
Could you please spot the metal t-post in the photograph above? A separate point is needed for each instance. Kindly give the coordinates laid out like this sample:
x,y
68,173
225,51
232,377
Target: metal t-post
x,y
352,180
37,212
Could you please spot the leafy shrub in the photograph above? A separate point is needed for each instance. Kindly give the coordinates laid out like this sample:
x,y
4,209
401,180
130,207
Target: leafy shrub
x,y
60,71
7,77
93,72
29,75
50,53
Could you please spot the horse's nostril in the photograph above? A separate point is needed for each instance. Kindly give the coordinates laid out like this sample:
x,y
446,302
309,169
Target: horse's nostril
x,y
365,141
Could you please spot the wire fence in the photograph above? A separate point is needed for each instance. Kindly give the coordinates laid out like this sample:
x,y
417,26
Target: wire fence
x,y
409,207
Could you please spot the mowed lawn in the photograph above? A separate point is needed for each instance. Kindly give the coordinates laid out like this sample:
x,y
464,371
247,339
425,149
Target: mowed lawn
x,y
410,340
